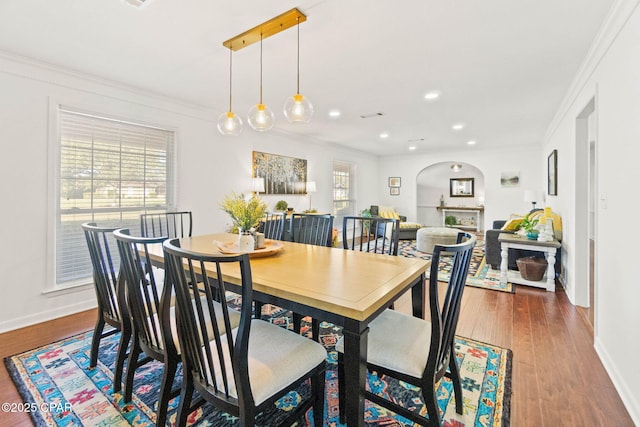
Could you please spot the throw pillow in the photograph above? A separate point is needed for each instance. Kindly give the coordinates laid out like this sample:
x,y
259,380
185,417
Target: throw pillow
x,y
513,224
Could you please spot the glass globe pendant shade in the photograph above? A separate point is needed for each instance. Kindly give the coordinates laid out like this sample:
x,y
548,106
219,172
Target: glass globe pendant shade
x,y
298,109
229,123
261,118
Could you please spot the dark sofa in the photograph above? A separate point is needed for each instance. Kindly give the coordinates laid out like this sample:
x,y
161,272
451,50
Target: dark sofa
x,y
492,251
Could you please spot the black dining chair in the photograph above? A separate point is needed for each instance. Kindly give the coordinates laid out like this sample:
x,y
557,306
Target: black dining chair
x,y
167,224
311,229
273,226
109,285
244,372
151,307
366,234
417,351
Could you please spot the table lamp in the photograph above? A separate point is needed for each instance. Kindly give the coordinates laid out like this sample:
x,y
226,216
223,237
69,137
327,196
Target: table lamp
x,y
533,197
311,188
257,185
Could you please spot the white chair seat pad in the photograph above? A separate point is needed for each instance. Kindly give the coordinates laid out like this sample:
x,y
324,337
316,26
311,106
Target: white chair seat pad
x,y
397,341
276,358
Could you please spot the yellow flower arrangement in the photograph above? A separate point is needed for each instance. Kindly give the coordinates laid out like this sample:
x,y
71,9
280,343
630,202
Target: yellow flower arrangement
x,y
244,214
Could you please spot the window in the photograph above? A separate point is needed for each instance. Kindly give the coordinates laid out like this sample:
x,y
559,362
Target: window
x,y
109,172
343,194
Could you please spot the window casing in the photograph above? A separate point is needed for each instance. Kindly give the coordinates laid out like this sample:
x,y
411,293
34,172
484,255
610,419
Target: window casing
x,y
343,192
109,172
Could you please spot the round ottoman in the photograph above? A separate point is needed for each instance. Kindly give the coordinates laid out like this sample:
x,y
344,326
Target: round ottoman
x,y
427,237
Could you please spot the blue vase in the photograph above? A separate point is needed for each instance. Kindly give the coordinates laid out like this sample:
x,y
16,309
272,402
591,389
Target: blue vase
x,y
532,235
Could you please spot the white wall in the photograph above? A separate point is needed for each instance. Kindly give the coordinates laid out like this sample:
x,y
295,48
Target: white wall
x,y
209,166
611,76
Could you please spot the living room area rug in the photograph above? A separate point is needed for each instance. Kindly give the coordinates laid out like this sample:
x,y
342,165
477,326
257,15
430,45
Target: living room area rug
x,y
57,377
480,275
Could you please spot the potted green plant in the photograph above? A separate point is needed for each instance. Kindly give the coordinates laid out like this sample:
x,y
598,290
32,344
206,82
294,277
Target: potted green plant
x,y
245,216
367,214
529,227
450,220
281,205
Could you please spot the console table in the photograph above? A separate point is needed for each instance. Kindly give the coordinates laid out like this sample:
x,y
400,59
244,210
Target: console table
x,y
476,210
521,242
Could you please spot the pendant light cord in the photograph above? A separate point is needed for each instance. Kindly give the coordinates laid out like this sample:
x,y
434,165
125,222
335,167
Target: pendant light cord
x,y
230,74
260,68
298,79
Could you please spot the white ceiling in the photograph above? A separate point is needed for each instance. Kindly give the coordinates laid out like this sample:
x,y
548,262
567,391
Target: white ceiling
x,y
503,66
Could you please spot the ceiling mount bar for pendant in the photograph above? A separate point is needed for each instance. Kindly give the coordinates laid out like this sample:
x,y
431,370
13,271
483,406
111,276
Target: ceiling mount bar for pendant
x,y
267,29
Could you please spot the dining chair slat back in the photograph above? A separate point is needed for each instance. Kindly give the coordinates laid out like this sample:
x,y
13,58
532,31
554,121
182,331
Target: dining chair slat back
x,y
109,287
149,305
375,235
311,229
167,224
273,225
228,370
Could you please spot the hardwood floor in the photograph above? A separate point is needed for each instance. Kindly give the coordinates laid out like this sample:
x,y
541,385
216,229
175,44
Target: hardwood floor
x,y
557,379
26,339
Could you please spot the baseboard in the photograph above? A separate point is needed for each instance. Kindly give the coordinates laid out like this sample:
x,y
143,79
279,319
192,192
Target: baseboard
x,y
45,316
626,395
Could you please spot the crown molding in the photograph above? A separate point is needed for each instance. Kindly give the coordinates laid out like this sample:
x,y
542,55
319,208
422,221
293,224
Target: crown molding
x,y
614,22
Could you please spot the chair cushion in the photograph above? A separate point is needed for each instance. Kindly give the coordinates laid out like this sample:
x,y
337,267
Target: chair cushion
x,y
277,357
397,341
410,225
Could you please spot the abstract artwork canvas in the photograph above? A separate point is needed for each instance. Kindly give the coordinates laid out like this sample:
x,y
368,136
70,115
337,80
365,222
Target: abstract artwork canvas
x,y
282,174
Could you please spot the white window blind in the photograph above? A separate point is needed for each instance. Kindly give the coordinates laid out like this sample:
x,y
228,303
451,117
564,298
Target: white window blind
x,y
110,172
343,194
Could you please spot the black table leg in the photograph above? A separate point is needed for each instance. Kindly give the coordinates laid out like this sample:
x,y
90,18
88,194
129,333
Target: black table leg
x,y
418,297
355,367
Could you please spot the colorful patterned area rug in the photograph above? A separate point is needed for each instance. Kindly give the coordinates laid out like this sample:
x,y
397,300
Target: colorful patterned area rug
x,y
480,275
56,381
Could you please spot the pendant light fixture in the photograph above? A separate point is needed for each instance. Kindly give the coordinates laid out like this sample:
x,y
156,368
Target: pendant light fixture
x,y
261,117
298,108
229,123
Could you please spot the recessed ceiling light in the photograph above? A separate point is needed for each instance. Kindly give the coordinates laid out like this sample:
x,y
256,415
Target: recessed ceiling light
x,y
458,126
472,142
334,113
432,96
384,135
412,147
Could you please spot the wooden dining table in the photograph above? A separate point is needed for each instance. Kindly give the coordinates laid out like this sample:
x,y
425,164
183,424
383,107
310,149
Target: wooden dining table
x,y
344,287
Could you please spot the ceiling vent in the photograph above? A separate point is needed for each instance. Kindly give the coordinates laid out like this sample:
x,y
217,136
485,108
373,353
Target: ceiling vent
x,y
368,116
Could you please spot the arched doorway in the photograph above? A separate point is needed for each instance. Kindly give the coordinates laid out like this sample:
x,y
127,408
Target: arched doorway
x,y
433,183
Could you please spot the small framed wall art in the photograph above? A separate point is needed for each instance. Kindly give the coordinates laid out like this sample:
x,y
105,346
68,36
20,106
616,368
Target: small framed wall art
x,y
394,191
394,182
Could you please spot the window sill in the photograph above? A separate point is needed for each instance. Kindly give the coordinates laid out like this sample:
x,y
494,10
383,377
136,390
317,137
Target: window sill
x,y
67,289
